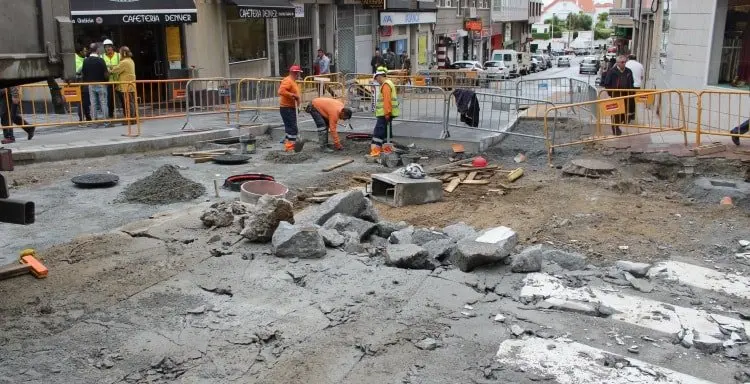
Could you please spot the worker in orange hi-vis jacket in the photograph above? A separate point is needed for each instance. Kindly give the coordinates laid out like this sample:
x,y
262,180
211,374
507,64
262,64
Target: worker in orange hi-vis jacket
x,y
326,113
289,98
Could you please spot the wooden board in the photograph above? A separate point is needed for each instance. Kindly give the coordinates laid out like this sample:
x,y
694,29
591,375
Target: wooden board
x,y
476,182
453,185
466,169
198,160
338,165
462,175
471,176
199,153
362,179
13,270
328,193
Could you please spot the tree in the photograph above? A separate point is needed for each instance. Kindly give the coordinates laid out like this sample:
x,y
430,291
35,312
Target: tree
x,y
579,22
603,17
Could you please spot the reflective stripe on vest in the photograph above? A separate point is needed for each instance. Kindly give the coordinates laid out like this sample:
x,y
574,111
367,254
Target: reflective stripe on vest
x,y
379,110
111,62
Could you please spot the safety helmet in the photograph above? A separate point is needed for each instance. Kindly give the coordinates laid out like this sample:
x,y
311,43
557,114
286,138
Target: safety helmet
x,y
108,42
413,171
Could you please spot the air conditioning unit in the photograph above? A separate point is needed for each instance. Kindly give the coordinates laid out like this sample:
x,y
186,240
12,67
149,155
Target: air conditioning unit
x,y
470,12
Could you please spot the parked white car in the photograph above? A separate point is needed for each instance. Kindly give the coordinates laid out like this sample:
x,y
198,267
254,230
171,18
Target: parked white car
x,y
468,65
496,69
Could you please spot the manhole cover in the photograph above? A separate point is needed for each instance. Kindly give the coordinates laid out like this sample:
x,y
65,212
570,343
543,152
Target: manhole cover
x,y
96,180
231,159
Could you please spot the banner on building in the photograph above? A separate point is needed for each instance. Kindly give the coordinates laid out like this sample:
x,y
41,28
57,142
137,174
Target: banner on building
x,y
422,50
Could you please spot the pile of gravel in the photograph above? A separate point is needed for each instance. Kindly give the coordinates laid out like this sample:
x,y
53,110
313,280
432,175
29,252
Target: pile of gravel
x,y
287,157
166,185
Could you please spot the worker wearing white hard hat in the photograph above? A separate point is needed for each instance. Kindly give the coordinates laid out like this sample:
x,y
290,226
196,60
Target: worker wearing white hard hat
x,y
386,109
112,58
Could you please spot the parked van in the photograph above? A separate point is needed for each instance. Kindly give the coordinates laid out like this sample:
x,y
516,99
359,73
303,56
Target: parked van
x,y
524,63
509,57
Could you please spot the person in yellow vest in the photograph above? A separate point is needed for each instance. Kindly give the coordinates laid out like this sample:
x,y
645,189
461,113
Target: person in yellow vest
x,y
84,110
386,109
112,58
126,92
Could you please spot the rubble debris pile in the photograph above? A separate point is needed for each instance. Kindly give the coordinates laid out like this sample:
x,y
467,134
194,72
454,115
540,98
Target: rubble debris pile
x,y
165,186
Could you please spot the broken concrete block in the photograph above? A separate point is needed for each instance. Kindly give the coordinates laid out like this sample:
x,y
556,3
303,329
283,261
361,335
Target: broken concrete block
x,y
352,243
408,256
567,260
218,215
529,260
377,241
440,249
427,344
344,223
424,235
302,241
262,218
642,285
460,231
636,269
369,213
402,236
568,306
496,245
516,330
385,228
706,343
332,237
352,203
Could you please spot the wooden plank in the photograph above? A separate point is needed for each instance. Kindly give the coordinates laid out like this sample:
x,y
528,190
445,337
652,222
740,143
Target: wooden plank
x,y
476,182
465,169
328,193
198,160
447,176
449,165
13,270
198,153
362,179
462,175
338,165
453,185
471,176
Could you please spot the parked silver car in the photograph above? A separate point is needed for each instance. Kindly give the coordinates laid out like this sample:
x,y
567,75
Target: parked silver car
x,y
589,64
563,61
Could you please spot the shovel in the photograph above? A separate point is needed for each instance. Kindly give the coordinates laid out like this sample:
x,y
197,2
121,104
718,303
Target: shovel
x,y
300,143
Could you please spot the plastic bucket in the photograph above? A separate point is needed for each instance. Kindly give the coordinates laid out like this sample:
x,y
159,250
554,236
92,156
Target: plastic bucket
x,y
251,191
247,144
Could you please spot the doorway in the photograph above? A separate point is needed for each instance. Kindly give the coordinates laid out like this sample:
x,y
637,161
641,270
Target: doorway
x,y
147,42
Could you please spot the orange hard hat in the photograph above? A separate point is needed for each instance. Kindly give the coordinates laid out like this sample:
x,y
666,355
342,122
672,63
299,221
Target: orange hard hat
x,y
479,162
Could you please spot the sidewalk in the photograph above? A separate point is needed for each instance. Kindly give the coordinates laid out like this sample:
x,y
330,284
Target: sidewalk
x,y
71,142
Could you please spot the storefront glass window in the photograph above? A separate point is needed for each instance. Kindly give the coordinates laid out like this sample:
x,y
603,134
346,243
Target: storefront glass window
x,y
734,69
247,37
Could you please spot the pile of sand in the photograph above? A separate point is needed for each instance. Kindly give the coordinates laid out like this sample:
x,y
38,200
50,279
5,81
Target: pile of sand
x,y
166,185
287,157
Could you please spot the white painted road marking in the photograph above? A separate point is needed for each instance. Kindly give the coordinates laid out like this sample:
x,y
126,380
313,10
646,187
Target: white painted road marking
x,y
703,278
651,314
575,363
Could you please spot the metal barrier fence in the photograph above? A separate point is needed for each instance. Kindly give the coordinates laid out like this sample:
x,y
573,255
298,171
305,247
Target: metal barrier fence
x,y
34,108
557,90
161,98
627,113
210,96
718,112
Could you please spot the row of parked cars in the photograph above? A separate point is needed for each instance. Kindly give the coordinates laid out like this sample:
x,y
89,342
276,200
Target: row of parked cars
x,y
508,63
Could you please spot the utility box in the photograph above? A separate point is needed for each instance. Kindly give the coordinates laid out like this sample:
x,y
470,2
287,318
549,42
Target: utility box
x,y
398,191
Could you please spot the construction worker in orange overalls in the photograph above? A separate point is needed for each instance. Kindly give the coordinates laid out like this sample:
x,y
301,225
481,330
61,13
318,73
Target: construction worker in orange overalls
x,y
386,109
326,113
289,98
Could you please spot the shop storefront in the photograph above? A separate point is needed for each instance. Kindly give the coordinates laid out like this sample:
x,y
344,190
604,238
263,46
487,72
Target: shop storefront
x,y
404,33
295,41
154,30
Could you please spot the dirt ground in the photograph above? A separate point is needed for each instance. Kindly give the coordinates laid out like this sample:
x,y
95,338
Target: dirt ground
x,y
116,301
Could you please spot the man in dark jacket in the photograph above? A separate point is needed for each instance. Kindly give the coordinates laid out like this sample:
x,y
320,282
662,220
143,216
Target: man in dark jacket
x,y
376,61
617,79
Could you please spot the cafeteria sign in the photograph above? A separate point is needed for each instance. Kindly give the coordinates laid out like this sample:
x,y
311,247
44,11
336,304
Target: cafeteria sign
x,y
473,25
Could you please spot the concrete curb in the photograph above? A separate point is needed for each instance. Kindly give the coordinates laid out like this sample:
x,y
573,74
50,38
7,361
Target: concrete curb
x,y
141,144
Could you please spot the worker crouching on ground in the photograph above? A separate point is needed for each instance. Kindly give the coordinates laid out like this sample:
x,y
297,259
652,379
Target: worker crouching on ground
x,y
326,113
386,109
289,98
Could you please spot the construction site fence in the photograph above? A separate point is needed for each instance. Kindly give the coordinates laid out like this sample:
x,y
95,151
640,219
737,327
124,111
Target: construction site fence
x,y
34,107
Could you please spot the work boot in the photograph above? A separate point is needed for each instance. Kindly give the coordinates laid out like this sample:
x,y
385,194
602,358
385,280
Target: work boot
x,y
8,140
289,146
735,139
616,131
323,142
29,132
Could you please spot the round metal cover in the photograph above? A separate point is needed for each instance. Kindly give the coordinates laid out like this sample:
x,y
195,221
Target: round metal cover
x,y
96,180
231,159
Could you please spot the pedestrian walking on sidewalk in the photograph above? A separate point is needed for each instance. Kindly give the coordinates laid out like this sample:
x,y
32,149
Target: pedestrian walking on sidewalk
x,y
618,79
10,114
126,93
326,113
94,70
638,79
386,109
84,109
289,99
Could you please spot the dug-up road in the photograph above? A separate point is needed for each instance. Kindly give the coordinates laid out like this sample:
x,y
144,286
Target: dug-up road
x,y
150,300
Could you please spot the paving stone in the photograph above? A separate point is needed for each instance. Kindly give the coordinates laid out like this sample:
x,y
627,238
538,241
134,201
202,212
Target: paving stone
x,y
410,256
494,247
460,231
421,236
301,241
345,223
402,236
385,228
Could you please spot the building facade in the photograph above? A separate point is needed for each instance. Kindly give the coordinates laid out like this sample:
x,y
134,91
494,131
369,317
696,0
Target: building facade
x,y
406,27
514,17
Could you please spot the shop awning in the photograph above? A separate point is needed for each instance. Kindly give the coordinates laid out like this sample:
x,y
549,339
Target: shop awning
x,y
261,9
108,12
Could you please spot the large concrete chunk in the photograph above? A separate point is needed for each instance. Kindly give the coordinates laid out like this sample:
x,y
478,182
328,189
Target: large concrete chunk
x,y
302,241
460,231
344,223
352,203
441,249
492,246
568,260
221,214
402,236
529,260
409,256
422,236
263,218
332,237
636,269
385,228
